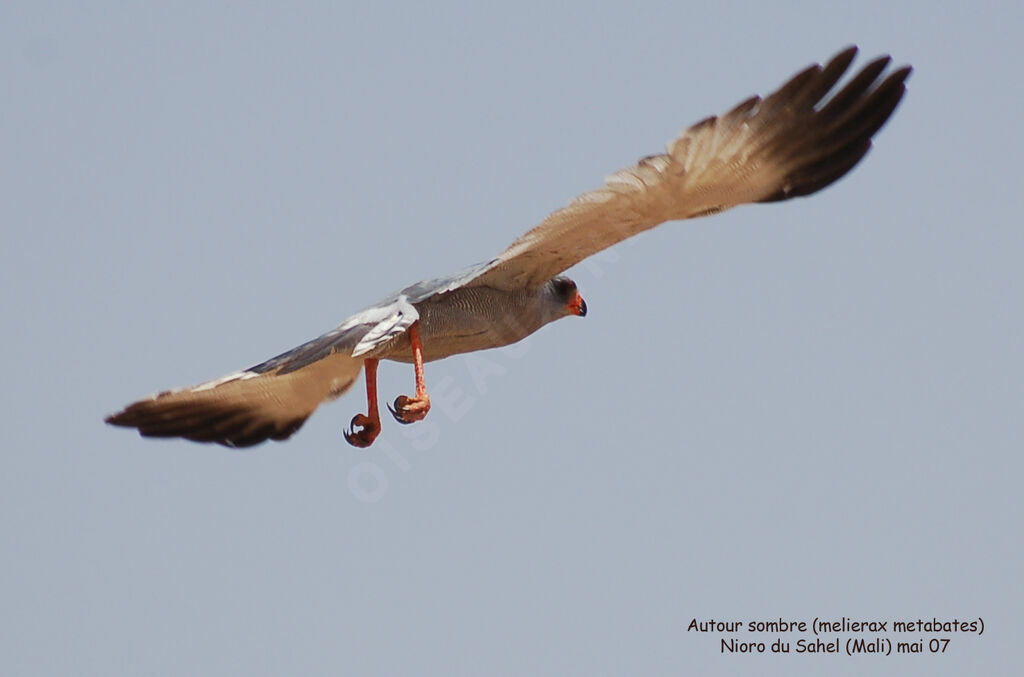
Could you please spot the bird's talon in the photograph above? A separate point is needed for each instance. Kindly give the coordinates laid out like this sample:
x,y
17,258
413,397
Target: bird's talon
x,y
362,431
410,409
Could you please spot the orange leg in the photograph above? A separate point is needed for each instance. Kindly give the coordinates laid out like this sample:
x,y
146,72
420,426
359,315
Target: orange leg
x,y
412,409
368,425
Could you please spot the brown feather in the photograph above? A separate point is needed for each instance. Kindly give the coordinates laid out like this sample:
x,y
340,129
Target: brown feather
x,y
792,143
243,411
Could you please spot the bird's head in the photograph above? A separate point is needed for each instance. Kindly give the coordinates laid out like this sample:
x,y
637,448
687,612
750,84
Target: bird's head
x,y
564,298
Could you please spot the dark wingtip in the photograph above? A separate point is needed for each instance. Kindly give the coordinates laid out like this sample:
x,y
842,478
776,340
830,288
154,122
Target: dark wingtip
x,y
902,73
844,58
231,426
838,130
122,418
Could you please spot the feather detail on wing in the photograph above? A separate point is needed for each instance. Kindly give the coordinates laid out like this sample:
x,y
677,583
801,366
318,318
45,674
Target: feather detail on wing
x,y
792,143
245,408
274,398
385,322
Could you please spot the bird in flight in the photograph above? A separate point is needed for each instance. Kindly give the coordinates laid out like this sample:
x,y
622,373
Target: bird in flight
x,y
791,143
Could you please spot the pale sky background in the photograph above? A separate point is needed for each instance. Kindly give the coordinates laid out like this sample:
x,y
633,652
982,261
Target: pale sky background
x,y
798,410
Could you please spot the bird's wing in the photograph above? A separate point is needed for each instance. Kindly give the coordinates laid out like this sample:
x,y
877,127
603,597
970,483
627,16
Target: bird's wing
x,y
274,398
792,143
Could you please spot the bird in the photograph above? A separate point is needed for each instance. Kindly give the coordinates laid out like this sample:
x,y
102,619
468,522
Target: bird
x,y
794,142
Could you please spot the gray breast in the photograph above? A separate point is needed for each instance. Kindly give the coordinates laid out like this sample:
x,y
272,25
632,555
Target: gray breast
x,y
468,319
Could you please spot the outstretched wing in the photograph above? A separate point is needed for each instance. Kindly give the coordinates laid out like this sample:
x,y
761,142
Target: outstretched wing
x,y
244,408
274,398
792,143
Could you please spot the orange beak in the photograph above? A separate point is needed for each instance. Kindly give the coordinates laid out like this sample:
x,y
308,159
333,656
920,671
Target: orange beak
x,y
577,306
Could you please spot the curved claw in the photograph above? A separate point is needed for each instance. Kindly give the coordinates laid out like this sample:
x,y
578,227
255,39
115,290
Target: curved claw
x,y
367,432
395,414
399,410
410,409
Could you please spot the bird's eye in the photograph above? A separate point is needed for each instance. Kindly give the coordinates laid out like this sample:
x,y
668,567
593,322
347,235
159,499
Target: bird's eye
x,y
564,287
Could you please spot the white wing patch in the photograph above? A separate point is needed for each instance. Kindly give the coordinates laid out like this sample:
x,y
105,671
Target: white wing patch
x,y
389,321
